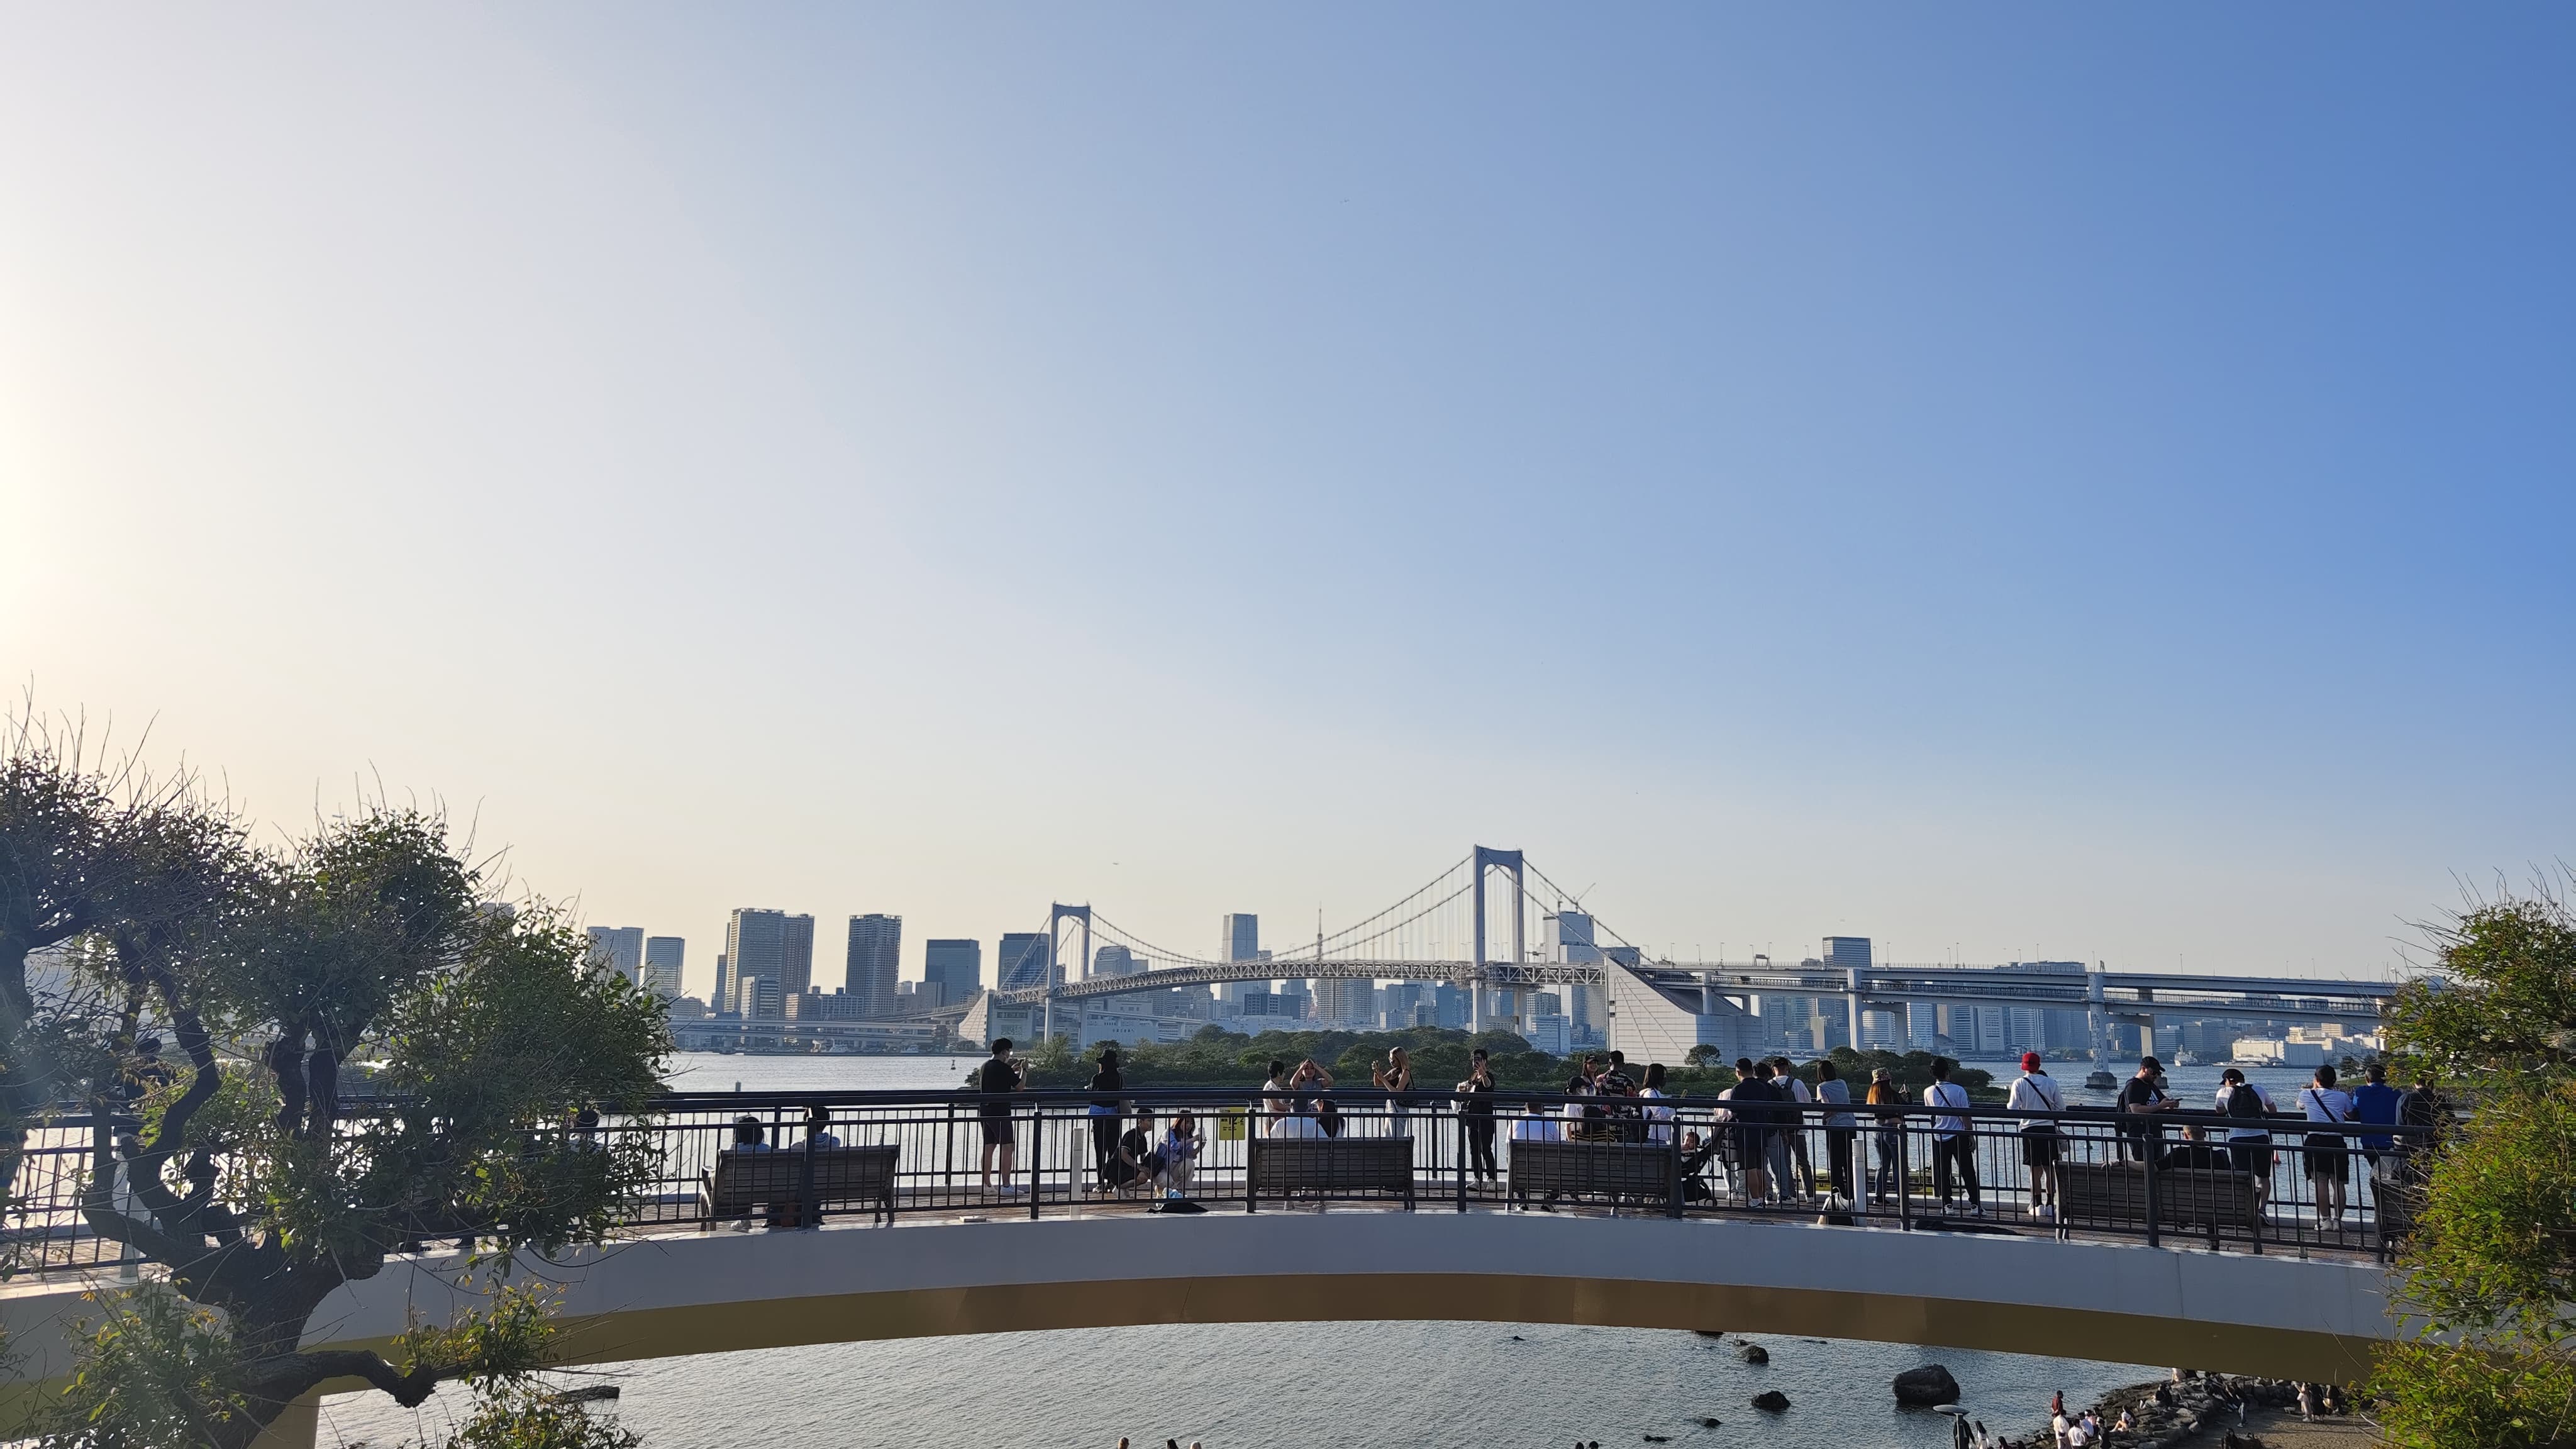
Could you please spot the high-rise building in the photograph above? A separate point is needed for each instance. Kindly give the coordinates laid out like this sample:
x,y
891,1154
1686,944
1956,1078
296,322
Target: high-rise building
x,y
662,955
617,948
1847,950
951,970
1116,960
876,950
1342,1002
755,945
1023,959
796,956
1238,939
761,998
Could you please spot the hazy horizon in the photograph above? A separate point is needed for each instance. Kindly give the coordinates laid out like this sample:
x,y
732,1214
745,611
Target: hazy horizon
x,y
2020,483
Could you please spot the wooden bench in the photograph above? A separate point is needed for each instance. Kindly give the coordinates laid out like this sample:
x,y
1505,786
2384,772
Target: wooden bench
x,y
1277,1166
742,1181
2114,1195
1639,1171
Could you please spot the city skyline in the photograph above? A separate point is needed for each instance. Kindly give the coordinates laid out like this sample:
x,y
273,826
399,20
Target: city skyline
x,y
1808,472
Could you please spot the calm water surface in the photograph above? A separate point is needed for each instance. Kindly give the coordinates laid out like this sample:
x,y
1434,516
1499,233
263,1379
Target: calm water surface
x,y
1287,1386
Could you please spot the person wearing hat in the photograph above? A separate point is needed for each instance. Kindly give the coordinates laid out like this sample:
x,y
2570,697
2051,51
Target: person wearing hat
x,y
2139,1096
2035,1091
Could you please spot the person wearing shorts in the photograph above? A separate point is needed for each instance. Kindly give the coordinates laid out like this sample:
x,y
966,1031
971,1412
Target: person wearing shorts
x,y
998,1079
2035,1091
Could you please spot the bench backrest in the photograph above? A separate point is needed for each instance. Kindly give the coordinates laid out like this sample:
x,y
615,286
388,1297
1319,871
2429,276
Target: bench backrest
x,y
840,1174
1281,1164
1635,1168
2116,1194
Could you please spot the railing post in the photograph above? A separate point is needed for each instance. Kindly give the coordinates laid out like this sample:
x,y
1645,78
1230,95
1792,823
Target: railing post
x,y
1673,1169
2155,1142
1037,1156
1904,1174
1460,1118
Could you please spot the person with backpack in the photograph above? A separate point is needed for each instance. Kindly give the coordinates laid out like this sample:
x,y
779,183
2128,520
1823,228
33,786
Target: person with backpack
x,y
2327,1154
2249,1135
2035,1091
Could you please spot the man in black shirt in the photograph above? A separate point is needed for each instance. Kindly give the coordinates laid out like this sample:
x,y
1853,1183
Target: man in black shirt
x,y
2139,1096
997,1079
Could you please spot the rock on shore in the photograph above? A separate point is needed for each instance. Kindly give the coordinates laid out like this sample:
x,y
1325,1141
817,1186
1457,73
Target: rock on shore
x,y
1926,1386
1771,1401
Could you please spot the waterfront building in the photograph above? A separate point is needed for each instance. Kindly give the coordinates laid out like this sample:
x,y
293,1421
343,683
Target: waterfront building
x,y
767,944
662,960
761,999
951,970
617,949
876,949
1344,1003
796,955
1116,960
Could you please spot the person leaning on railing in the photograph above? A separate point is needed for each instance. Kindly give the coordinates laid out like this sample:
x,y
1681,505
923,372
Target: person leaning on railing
x,y
2329,1168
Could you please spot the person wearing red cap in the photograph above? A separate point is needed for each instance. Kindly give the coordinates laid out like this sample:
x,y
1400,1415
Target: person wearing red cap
x,y
2035,1091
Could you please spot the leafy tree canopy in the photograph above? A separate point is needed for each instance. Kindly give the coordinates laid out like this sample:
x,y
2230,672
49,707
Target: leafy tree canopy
x,y
2489,1274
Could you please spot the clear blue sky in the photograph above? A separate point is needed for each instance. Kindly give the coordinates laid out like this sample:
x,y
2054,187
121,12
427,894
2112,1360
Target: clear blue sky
x,y
2010,480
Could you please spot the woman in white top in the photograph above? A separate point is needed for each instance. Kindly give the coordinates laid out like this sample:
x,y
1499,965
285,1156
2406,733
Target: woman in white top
x,y
1659,1119
2035,1091
2329,1165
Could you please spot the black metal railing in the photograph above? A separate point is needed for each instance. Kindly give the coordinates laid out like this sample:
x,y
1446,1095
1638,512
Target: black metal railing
x,y
743,1160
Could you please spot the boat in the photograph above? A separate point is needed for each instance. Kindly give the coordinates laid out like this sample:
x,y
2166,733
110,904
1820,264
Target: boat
x,y
2101,1080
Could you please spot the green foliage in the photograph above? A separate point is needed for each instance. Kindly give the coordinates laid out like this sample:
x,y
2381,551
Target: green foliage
x,y
155,1371
1216,1057
526,1415
2489,1273
2438,1396
504,1342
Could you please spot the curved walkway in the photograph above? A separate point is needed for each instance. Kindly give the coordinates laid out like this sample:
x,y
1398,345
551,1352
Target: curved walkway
x,y
705,1293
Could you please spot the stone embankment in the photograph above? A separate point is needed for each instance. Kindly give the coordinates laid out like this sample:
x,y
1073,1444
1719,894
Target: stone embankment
x,y
2203,1409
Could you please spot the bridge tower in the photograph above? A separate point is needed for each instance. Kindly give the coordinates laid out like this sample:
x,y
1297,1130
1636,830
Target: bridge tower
x,y
1487,859
1057,914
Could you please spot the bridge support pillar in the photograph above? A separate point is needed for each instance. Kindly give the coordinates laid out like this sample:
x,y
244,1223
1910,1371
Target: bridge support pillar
x,y
1485,859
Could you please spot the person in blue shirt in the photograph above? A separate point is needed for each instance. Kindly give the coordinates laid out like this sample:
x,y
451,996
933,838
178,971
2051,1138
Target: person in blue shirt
x,y
2374,1103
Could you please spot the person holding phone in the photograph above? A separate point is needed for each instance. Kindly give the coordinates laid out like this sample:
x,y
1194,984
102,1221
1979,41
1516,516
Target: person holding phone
x,y
1180,1154
1476,1115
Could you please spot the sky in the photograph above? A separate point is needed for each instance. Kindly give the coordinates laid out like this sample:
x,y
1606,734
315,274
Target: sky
x,y
2013,481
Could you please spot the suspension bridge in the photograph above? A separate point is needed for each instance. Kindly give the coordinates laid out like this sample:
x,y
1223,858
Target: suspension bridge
x,y
1494,924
